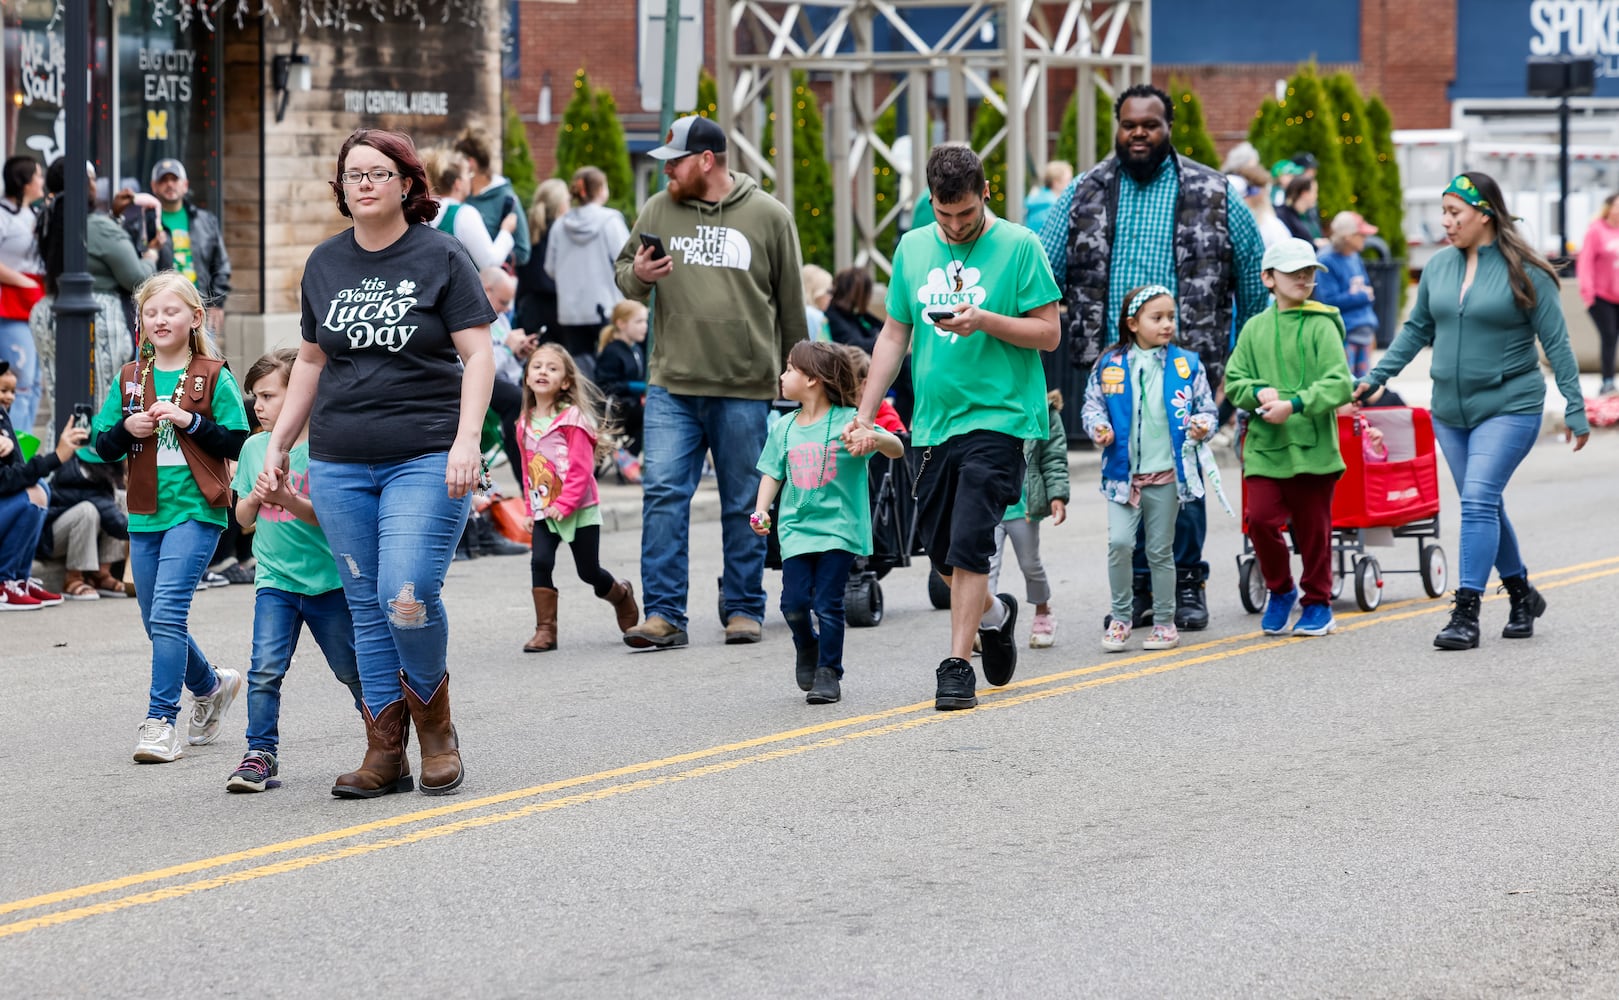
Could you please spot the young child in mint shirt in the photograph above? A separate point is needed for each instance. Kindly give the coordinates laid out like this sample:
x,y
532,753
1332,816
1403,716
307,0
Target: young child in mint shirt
x,y
177,413
825,510
1289,369
972,299
295,579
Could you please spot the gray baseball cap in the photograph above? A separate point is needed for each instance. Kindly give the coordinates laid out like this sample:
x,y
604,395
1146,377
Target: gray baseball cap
x,y
692,134
166,167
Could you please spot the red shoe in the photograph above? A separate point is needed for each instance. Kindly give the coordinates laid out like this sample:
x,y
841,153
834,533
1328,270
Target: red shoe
x,y
14,597
42,595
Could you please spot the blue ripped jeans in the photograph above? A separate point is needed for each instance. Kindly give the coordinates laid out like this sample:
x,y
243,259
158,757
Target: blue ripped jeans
x,y
393,528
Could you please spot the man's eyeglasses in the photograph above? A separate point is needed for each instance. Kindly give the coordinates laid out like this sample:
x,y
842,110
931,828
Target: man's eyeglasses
x,y
377,176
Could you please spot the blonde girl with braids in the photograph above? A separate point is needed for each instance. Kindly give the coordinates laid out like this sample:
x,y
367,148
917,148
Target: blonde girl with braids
x,y
177,414
560,435
825,509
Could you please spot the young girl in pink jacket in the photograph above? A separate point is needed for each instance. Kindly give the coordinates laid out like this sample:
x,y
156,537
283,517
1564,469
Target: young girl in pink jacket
x,y
559,438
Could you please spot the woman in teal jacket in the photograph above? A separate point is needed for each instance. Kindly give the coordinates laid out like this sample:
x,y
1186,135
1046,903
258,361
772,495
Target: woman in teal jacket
x,y
1481,304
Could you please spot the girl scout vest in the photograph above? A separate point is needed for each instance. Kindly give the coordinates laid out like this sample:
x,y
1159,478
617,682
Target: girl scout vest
x,y
1180,371
198,397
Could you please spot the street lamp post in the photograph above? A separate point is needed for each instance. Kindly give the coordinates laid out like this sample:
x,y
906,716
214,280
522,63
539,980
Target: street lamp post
x,y
75,308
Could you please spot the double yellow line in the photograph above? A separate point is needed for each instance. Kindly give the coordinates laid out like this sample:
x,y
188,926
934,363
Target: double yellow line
x,y
798,741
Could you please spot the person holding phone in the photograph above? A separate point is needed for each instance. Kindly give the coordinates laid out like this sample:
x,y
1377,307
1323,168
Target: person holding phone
x,y
724,259
973,301
23,502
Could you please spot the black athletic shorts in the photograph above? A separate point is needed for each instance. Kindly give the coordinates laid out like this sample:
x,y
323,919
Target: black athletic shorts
x,y
962,492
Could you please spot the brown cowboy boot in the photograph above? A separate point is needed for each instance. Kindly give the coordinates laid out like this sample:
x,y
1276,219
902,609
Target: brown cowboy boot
x,y
622,598
545,621
435,734
385,769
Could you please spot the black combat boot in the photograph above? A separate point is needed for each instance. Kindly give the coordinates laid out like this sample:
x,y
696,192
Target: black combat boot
x,y
1527,605
1462,632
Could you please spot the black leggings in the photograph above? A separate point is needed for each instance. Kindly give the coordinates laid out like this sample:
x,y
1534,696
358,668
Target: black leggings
x,y
1606,316
586,546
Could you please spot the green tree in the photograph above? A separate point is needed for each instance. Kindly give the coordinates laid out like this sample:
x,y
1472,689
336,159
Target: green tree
x,y
988,121
1189,133
592,136
1309,126
1390,219
708,96
1264,129
812,175
1068,137
1359,157
885,178
517,161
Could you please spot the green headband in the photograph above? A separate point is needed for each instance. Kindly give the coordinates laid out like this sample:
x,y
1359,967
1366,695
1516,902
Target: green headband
x,y
1464,188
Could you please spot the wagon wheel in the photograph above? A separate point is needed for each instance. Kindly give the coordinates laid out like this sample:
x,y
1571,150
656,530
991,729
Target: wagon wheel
x,y
863,602
1251,584
1435,573
938,590
1368,583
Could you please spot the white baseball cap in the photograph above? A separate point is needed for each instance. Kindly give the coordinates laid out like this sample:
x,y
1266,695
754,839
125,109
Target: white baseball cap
x,y
1289,255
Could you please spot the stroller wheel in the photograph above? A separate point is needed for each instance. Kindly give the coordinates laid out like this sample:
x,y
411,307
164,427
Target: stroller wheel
x,y
1252,582
938,590
863,601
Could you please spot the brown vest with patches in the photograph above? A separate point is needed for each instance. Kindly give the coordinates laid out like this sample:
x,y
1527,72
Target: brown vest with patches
x,y
211,474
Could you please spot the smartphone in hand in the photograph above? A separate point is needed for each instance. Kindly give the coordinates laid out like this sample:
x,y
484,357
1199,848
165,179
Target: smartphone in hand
x,y
81,416
941,315
655,244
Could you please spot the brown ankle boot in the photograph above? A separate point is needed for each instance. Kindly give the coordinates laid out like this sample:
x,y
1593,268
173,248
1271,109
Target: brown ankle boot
x,y
622,598
435,734
385,769
545,621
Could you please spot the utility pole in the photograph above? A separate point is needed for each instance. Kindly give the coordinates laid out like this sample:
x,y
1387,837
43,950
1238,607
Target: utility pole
x,y
671,63
75,308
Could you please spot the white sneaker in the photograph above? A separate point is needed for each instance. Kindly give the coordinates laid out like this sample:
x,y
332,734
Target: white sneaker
x,y
208,714
157,743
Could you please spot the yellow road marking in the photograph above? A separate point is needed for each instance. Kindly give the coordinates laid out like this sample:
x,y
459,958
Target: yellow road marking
x,y
1034,689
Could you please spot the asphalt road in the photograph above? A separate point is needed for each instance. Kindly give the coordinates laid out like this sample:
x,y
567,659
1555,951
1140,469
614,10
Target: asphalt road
x,y
1353,816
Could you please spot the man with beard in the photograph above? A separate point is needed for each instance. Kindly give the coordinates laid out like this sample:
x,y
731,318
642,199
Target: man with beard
x,y
724,259
1147,216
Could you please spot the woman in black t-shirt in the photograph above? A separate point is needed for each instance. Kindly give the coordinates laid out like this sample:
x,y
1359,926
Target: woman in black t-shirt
x,y
394,377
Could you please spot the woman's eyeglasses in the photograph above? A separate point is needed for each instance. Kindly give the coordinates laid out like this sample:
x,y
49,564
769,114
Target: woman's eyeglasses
x,y
377,176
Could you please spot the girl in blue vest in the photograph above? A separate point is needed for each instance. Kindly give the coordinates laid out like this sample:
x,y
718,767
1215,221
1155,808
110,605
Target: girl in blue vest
x,y
1145,401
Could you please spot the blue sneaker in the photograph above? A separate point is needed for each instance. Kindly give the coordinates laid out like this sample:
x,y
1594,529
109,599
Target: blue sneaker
x,y
1278,609
1315,619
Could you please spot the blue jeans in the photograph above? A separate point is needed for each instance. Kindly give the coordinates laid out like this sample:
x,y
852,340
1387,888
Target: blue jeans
x,y
677,431
21,523
1481,460
393,529
167,566
815,582
17,346
277,619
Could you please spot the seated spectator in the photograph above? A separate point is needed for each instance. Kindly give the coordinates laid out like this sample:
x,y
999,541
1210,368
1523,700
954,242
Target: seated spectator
x,y
23,499
621,376
86,528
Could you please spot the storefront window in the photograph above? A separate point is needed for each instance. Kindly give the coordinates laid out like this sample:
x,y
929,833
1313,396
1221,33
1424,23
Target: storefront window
x,y
35,76
169,64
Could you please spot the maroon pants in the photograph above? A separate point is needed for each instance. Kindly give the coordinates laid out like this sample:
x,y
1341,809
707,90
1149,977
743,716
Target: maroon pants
x,y
1305,502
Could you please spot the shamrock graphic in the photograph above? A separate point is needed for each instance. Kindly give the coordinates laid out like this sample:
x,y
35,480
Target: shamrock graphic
x,y
405,288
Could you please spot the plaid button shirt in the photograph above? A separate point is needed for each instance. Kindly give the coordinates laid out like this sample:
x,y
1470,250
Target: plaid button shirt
x,y
1144,243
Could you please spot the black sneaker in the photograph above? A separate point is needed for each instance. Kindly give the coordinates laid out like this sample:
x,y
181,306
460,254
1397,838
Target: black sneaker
x,y
958,686
826,689
808,657
1000,645
253,774
240,574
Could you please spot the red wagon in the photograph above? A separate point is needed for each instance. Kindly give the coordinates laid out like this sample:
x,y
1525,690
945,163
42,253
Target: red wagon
x,y
1376,502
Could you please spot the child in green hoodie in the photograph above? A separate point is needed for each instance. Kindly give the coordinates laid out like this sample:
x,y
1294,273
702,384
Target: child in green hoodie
x,y
1289,371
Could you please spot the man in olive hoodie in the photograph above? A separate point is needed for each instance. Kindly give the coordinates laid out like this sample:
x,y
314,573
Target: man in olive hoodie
x,y
727,305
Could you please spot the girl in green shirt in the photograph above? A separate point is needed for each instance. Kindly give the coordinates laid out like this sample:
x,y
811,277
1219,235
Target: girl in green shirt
x,y
177,413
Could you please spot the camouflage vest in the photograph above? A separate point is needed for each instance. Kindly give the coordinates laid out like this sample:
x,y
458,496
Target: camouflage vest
x,y
1205,281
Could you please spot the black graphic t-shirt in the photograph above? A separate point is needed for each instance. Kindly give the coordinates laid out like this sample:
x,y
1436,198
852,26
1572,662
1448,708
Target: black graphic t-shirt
x,y
391,388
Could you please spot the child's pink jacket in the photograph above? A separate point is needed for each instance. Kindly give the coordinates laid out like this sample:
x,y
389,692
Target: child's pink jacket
x,y
559,466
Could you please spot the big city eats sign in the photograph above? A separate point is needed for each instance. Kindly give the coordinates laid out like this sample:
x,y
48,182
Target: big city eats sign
x,y
1577,28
